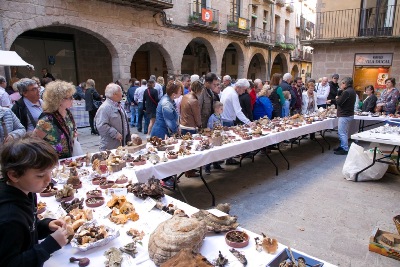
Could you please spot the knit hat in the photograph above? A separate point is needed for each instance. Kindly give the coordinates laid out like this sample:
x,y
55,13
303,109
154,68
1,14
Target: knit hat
x,y
335,76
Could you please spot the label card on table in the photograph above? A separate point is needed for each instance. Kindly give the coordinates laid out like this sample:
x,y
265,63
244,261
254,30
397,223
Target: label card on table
x,y
117,191
60,212
217,213
148,204
103,212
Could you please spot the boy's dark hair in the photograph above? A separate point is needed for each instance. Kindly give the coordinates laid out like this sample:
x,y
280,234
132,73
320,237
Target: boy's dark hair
x,y
26,153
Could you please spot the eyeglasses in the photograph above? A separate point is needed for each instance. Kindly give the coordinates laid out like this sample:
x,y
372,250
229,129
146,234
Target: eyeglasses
x,y
33,89
69,98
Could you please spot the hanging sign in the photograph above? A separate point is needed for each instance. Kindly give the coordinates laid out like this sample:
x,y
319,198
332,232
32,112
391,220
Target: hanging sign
x,y
373,59
242,24
206,15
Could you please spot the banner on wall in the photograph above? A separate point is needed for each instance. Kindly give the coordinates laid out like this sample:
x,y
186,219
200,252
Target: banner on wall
x,y
206,15
381,77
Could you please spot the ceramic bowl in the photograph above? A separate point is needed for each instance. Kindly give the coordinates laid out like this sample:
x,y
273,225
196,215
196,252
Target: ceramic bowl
x,y
236,244
94,202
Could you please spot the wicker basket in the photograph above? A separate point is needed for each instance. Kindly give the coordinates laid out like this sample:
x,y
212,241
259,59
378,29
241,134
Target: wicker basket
x,y
396,220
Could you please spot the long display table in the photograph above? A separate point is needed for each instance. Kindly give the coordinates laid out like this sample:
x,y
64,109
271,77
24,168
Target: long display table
x,y
148,221
201,158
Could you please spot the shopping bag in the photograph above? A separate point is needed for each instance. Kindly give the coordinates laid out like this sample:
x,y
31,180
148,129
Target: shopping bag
x,y
357,159
77,149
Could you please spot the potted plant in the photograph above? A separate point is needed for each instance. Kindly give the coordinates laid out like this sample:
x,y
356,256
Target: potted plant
x,y
290,8
290,46
194,18
280,3
232,24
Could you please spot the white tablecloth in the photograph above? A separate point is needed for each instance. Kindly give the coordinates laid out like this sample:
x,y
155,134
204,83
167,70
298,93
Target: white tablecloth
x,y
371,136
147,222
201,158
81,116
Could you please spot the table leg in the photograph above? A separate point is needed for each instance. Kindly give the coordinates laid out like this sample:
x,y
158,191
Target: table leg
x,y
398,156
288,164
326,141
209,190
373,163
322,147
273,163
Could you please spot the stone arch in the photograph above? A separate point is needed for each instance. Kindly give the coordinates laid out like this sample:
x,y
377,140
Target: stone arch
x,y
239,60
194,48
257,66
295,71
101,33
165,54
20,27
279,64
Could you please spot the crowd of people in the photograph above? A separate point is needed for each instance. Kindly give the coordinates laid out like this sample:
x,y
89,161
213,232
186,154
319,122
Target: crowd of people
x,y
178,106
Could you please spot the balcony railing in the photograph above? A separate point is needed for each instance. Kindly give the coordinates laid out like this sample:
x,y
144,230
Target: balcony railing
x,y
238,26
307,56
204,18
353,23
284,42
147,4
260,36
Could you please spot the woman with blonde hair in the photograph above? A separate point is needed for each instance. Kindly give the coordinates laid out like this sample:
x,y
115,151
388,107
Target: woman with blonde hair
x,y
56,124
309,99
160,80
263,106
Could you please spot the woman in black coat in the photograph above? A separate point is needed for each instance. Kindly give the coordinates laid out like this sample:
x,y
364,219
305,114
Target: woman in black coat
x,y
90,95
369,103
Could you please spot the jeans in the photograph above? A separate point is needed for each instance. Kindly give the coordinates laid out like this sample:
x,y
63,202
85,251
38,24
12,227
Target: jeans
x,y
134,115
343,131
92,114
227,123
147,117
140,116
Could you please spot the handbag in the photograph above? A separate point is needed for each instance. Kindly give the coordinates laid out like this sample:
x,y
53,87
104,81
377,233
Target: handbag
x,y
96,103
77,148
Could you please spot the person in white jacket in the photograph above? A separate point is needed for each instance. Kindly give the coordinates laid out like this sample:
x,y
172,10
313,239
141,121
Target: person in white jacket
x,y
309,99
323,90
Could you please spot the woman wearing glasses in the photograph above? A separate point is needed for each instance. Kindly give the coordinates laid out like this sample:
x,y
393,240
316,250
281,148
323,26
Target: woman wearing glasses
x,y
389,97
56,125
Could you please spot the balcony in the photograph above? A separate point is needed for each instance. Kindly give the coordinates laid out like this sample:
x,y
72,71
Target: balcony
x,y
261,37
352,25
307,56
284,42
238,26
202,18
155,5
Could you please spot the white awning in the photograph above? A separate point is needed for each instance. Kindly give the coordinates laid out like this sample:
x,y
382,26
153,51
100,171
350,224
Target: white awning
x,y
11,58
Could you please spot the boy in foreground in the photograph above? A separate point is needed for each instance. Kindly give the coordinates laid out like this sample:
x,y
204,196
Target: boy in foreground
x,y
26,166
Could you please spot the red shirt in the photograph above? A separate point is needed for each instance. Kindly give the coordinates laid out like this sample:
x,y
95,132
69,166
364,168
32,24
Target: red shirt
x,y
253,97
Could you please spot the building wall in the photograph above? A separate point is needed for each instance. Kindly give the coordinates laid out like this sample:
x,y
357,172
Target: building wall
x,y
340,58
123,30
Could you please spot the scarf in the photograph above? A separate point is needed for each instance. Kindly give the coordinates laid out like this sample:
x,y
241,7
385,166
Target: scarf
x,y
60,122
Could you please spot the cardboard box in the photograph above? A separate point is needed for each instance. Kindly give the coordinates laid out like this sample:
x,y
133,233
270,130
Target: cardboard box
x,y
377,246
285,254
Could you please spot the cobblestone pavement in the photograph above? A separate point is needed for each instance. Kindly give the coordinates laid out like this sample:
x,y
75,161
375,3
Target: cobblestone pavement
x,y
310,207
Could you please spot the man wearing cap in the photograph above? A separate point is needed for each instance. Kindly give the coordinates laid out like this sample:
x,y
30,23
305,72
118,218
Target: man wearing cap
x,y
333,90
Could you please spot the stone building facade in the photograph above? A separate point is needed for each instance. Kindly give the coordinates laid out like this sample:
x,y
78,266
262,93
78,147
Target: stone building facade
x,y
120,39
359,39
